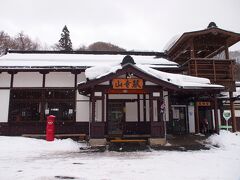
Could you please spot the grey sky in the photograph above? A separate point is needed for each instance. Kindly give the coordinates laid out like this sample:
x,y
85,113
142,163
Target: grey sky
x,y
131,24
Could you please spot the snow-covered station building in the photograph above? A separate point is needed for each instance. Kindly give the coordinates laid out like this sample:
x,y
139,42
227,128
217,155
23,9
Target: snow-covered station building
x,y
108,95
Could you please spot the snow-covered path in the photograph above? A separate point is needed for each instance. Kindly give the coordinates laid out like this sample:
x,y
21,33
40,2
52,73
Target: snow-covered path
x,y
26,159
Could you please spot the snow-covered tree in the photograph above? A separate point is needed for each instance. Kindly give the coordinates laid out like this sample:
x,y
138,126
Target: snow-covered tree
x,y
65,42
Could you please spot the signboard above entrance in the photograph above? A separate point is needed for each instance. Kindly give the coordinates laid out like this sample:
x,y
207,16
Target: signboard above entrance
x,y
130,83
203,103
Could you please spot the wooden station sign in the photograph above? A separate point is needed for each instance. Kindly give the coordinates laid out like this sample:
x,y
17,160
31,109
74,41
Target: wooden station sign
x,y
203,103
126,91
128,83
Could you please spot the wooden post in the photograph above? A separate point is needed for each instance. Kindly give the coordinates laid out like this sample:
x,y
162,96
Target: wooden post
x,y
226,52
214,71
216,114
93,109
158,110
192,49
12,79
144,108
42,108
234,122
103,106
138,107
151,107
193,56
197,123
76,93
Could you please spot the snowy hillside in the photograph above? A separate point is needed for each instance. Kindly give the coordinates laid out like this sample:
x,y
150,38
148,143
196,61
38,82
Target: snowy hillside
x,y
235,55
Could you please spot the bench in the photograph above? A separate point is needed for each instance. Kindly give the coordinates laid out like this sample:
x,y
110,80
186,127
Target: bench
x,y
128,141
80,136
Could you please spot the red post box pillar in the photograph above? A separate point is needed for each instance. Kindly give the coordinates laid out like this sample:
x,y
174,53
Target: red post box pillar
x,y
50,128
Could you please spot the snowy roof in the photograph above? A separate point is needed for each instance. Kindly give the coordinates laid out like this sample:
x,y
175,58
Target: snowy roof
x,y
178,38
235,94
237,83
171,42
41,60
182,81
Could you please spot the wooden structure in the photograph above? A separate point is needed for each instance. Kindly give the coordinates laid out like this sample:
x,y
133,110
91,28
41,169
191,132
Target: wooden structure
x,y
205,54
130,102
132,80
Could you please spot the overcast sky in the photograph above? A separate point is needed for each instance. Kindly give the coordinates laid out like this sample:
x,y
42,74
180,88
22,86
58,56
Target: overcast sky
x,y
131,24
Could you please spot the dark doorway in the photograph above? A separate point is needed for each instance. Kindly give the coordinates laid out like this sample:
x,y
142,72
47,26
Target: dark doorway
x,y
116,117
178,122
205,119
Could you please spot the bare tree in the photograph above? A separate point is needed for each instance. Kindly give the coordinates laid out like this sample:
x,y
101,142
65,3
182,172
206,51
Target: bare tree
x,y
237,71
24,42
5,41
82,48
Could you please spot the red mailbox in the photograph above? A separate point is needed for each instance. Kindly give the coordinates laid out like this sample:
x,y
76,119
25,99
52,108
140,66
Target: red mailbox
x,y
50,128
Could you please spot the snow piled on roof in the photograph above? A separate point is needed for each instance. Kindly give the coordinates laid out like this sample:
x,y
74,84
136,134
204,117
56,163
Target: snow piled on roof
x,y
171,42
235,94
68,60
183,81
99,71
178,79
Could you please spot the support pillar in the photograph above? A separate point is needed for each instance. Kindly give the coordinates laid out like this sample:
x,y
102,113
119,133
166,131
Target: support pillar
x,y
197,123
216,114
157,127
234,122
96,128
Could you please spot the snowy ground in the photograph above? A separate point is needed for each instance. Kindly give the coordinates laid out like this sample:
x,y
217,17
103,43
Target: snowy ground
x,y
27,159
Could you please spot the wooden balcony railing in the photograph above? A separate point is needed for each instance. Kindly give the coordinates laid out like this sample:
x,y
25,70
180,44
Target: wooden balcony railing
x,y
219,71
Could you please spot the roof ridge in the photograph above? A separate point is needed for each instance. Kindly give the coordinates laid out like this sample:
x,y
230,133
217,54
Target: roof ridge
x,y
140,53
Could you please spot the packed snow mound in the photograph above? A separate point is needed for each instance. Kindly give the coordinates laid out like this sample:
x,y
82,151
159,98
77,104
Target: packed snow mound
x,y
21,146
225,140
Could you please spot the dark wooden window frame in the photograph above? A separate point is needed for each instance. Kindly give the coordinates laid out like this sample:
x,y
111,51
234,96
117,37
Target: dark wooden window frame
x,y
42,100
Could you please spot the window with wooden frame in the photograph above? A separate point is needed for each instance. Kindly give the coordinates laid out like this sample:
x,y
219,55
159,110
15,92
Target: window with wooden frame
x,y
37,104
60,103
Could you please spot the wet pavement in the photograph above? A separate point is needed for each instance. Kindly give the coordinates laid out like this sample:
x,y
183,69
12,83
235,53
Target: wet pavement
x,y
189,142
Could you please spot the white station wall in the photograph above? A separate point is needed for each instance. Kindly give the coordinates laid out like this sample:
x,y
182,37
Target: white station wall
x,y
147,109
4,105
28,79
237,113
141,108
98,111
191,119
82,112
166,112
155,111
59,79
82,108
131,112
5,79
81,77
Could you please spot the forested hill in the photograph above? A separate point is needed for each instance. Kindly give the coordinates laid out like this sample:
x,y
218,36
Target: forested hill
x,y
235,55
